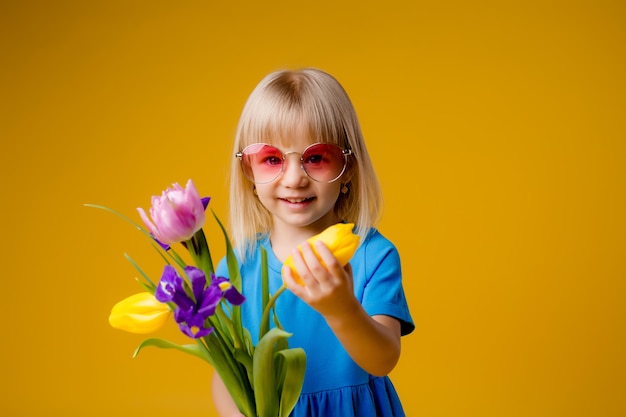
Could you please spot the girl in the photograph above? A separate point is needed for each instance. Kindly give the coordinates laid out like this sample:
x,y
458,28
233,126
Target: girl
x,y
300,166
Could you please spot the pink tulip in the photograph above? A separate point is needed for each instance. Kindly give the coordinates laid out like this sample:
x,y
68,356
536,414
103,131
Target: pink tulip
x,y
176,216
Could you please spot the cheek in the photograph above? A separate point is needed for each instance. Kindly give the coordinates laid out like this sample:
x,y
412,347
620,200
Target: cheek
x,y
263,193
330,192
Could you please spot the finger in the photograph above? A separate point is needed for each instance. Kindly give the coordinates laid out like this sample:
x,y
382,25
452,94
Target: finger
x,y
348,268
309,255
327,258
301,265
349,274
315,264
294,286
335,273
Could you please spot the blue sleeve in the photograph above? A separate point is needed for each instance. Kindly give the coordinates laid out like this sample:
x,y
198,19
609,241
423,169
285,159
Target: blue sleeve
x,y
381,281
222,269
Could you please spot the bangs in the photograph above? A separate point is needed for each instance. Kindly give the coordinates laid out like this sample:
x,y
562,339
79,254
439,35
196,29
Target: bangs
x,y
286,107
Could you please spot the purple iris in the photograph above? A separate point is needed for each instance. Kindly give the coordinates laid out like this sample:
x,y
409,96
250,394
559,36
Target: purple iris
x,y
192,312
229,291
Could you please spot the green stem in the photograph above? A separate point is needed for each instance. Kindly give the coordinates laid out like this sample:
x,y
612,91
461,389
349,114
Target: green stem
x,y
265,319
198,248
230,372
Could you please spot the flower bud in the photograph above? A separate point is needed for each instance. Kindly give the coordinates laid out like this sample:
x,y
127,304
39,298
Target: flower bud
x,y
338,238
176,215
140,313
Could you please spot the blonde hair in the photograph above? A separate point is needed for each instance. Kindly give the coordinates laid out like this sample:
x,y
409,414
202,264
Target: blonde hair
x,y
279,104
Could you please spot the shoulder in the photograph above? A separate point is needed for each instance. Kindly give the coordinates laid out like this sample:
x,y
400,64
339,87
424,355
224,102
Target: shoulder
x,y
377,245
376,238
376,255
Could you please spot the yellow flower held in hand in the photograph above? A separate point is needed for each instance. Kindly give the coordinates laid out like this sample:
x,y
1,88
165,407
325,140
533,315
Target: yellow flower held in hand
x,y
140,313
338,238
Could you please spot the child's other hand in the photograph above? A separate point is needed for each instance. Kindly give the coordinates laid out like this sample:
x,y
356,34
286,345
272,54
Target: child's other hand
x,y
327,289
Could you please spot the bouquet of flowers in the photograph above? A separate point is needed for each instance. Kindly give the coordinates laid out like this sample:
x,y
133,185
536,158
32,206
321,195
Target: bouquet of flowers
x,y
264,380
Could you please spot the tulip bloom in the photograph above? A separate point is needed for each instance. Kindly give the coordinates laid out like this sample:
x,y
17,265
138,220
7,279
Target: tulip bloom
x,y
192,312
140,313
338,238
176,215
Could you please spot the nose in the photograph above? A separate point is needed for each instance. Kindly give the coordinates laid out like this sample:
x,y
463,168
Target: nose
x,y
293,174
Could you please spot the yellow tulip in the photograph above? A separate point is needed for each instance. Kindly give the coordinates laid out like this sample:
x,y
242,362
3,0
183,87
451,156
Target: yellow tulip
x,y
338,238
140,313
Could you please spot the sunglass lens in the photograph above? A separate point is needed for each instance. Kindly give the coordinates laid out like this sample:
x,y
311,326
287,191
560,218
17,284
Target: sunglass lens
x,y
324,162
261,163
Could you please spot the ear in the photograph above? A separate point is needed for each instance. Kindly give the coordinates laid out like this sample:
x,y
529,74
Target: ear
x,y
348,173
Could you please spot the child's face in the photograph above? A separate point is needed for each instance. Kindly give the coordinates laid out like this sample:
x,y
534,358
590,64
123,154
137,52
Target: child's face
x,y
293,198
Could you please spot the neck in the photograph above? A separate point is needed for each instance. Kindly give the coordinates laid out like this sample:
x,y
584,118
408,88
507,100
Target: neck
x,y
284,238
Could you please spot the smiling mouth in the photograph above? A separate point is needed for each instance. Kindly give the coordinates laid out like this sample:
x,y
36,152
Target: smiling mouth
x,y
297,200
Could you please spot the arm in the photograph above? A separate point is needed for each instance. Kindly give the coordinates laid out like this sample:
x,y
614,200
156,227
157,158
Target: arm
x,y
372,342
224,403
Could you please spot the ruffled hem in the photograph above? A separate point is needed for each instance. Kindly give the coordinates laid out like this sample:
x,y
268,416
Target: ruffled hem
x,y
377,398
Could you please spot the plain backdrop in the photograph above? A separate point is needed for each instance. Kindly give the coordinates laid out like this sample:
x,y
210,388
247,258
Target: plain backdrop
x,y
497,129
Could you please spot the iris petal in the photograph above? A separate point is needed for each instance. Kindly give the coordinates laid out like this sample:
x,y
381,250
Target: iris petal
x,y
197,279
234,297
194,331
229,291
193,311
170,288
168,285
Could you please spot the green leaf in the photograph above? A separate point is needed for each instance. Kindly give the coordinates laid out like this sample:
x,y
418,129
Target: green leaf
x,y
276,321
267,311
244,358
264,382
198,248
225,327
231,259
171,253
265,284
265,294
233,374
293,366
245,353
192,349
110,210
282,344
145,286
235,278
148,284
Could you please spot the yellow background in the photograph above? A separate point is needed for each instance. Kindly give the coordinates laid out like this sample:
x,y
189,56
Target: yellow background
x,y
497,129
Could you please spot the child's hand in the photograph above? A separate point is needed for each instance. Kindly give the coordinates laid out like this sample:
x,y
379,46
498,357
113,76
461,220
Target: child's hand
x,y
327,289
372,342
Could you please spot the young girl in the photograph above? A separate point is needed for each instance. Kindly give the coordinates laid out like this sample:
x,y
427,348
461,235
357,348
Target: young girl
x,y
300,166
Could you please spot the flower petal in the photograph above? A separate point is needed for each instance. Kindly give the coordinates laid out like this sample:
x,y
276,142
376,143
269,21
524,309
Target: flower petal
x,y
170,289
140,313
195,332
198,281
176,215
169,283
210,299
340,241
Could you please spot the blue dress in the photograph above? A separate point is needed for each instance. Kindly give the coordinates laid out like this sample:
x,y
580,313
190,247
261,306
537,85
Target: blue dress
x,y
334,385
